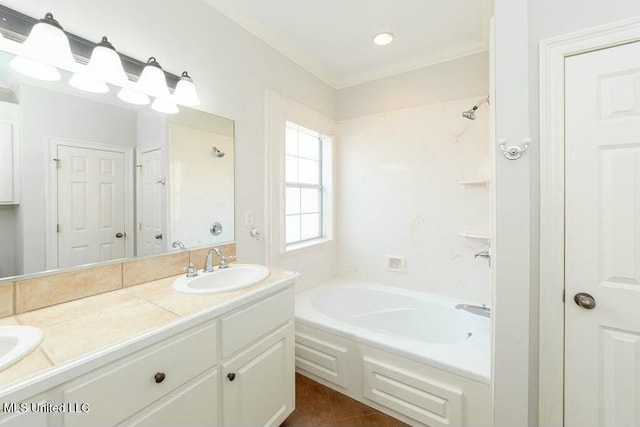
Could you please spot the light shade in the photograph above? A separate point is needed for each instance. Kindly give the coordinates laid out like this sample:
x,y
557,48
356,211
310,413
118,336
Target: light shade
x,y
133,97
165,105
46,44
35,69
152,80
185,93
104,66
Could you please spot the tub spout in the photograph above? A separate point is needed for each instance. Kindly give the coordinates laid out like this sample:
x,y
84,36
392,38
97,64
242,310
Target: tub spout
x,y
484,254
480,310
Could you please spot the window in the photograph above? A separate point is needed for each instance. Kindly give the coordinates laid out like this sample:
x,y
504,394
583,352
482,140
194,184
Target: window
x,y
305,172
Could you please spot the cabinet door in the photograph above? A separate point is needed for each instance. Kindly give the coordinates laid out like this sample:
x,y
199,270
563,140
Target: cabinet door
x,y
194,404
258,384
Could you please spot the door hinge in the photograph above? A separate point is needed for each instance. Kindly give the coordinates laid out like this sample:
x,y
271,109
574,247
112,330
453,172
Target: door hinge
x,y
57,162
563,295
57,228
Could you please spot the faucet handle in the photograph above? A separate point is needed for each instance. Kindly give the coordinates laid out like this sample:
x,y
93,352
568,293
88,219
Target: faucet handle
x,y
191,270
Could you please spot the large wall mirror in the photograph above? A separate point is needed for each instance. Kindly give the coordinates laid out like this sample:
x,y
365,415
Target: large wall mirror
x,y
98,179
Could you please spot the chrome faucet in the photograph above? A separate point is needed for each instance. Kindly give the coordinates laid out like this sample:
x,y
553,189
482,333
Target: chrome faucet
x,y
484,254
177,245
480,310
208,262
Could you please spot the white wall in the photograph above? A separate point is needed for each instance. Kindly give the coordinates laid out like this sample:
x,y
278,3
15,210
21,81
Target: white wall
x,y
230,67
531,22
400,195
460,78
51,114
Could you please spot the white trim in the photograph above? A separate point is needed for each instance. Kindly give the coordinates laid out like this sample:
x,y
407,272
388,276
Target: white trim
x,y
551,346
280,109
51,197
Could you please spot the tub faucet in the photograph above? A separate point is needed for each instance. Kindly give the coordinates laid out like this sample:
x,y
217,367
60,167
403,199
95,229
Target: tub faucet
x,y
177,245
480,310
484,254
208,262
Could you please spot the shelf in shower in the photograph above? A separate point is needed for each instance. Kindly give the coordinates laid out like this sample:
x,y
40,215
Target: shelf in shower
x,y
475,236
474,184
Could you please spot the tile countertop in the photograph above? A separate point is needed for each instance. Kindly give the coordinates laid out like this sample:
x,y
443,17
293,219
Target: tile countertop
x,y
81,327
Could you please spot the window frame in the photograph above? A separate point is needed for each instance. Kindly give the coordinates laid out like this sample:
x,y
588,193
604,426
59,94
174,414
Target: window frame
x,y
325,170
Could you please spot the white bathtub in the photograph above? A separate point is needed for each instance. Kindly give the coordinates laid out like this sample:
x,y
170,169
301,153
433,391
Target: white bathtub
x,y
397,350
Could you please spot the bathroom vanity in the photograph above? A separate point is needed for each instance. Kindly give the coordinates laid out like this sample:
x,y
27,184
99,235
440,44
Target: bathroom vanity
x,y
225,359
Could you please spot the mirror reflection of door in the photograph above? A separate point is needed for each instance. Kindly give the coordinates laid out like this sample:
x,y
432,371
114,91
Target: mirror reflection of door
x,y
91,196
151,200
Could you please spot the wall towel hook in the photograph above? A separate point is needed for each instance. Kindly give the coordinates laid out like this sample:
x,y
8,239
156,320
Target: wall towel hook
x,y
514,152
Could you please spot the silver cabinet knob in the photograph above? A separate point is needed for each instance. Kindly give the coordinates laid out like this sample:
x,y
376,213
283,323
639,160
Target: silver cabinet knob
x,y
585,300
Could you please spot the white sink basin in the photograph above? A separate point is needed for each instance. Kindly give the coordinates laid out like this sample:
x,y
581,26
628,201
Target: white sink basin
x,y
16,342
234,277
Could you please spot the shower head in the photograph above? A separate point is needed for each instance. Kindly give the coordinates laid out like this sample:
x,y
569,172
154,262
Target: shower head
x,y
471,114
217,152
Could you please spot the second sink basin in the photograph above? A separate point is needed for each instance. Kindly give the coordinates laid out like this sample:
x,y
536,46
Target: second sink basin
x,y
17,341
234,277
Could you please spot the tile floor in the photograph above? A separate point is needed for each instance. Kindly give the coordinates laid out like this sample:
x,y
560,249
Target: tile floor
x,y
317,405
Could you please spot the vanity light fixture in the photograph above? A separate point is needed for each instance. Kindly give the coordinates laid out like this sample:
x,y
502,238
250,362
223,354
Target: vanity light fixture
x,y
185,93
383,39
104,66
132,96
152,80
46,48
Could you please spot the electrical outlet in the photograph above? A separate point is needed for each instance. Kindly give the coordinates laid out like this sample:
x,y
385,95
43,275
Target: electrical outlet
x,y
248,218
396,263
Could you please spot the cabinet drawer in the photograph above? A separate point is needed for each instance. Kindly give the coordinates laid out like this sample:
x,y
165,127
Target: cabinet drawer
x,y
246,325
195,404
122,388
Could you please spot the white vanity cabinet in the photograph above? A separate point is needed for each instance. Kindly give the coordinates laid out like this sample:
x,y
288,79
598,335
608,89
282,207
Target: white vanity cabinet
x,y
9,153
258,380
121,389
236,369
21,414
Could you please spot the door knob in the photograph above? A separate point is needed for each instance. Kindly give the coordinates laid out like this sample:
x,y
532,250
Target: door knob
x,y
231,376
159,236
119,235
585,300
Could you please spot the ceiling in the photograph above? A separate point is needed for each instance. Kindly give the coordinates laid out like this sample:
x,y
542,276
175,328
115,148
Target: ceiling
x,y
332,39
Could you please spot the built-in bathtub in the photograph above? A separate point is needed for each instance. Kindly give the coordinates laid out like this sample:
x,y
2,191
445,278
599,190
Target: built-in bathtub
x,y
410,354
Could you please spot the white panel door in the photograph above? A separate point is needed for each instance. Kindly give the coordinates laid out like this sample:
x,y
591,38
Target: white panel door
x,y
151,209
91,208
602,344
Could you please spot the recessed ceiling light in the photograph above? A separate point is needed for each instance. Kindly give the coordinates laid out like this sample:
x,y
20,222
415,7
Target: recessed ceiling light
x,y
383,39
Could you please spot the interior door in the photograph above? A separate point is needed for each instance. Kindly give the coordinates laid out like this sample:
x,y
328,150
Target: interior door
x,y
151,198
602,252
91,205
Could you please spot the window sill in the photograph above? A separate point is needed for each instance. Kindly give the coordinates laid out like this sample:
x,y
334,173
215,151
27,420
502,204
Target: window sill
x,y
297,248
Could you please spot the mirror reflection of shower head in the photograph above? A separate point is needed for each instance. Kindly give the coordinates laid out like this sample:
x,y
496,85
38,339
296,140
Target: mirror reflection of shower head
x,y
217,152
471,114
